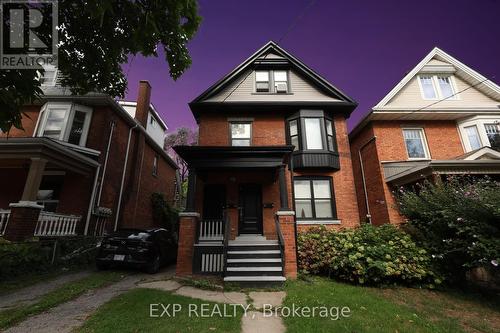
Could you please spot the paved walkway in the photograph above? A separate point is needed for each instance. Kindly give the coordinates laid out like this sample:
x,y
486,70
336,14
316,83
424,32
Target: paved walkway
x,y
68,316
30,294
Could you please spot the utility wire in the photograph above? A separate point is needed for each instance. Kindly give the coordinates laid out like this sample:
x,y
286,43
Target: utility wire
x,y
287,31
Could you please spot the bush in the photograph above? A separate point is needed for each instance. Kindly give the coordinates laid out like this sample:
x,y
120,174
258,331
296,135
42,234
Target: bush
x,y
457,221
366,255
166,217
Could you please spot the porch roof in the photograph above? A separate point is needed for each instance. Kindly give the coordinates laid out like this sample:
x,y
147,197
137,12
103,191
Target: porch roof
x,y
215,157
56,154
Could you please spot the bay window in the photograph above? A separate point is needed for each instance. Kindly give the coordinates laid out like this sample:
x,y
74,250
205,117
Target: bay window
x,y
313,133
493,134
314,198
473,137
480,131
309,133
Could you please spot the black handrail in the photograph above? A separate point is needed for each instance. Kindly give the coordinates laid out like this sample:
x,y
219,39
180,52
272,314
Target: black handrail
x,y
281,240
227,233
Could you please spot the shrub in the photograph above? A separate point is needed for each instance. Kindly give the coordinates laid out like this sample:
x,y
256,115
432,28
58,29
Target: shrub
x,y
366,255
457,221
168,218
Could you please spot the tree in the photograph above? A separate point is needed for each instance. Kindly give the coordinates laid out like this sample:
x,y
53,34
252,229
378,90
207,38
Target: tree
x,y
182,137
96,37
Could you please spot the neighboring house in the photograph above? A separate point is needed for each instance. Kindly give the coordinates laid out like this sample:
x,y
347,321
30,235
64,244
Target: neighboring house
x,y
83,165
442,118
273,159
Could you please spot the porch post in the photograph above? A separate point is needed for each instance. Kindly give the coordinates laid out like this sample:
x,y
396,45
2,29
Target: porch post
x,y
191,192
34,179
187,237
283,189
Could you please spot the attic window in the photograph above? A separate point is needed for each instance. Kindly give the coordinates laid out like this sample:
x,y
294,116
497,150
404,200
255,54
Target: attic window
x,y
280,82
271,81
437,87
262,81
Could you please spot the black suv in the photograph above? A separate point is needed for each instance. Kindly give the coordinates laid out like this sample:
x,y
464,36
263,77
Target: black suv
x,y
146,249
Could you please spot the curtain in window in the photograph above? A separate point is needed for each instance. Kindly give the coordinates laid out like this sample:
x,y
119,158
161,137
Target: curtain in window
x,y
414,143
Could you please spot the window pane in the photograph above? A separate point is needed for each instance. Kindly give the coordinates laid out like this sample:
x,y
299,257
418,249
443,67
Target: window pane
x,y
293,127
295,142
329,129
280,76
331,143
493,133
262,86
303,208
473,136
77,128
323,208
414,143
445,86
261,76
54,124
313,133
428,87
240,130
241,142
302,189
321,189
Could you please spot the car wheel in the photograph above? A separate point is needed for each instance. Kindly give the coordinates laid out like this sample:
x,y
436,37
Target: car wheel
x,y
154,266
101,266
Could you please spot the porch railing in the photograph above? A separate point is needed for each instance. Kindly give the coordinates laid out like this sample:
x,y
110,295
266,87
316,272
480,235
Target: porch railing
x,y
4,219
227,234
281,240
211,230
55,225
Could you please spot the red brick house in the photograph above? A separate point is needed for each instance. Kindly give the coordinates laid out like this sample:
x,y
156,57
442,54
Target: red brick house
x,y
442,118
83,165
273,159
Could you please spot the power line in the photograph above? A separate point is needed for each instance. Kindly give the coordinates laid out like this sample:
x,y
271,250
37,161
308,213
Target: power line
x,y
287,31
444,99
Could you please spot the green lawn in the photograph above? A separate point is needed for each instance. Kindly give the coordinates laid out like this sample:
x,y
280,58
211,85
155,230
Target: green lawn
x,y
130,312
63,294
390,310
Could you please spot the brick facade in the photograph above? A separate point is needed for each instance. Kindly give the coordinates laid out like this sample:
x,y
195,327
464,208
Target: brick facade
x,y
185,250
22,221
443,140
287,226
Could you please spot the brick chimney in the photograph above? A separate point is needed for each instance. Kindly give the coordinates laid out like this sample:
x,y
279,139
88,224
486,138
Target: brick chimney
x,y
143,101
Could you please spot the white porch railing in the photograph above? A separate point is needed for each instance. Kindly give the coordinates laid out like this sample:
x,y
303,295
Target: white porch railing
x,y
4,219
211,230
53,225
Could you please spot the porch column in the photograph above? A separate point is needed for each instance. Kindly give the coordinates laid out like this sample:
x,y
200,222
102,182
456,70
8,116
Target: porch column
x,y
283,189
22,221
34,179
286,221
187,238
191,192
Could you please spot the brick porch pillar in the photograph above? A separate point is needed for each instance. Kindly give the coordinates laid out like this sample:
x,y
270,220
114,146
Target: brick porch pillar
x,y
187,237
22,221
287,224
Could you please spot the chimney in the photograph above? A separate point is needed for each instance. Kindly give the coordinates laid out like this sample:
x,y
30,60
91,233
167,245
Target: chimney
x,y
143,101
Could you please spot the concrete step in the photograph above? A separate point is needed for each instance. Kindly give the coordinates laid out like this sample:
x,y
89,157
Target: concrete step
x,y
256,281
254,254
254,262
254,271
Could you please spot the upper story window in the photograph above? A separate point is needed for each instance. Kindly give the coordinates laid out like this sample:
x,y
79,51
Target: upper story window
x,y
49,77
64,121
155,166
415,143
437,87
473,137
312,133
272,81
313,198
493,134
153,122
241,133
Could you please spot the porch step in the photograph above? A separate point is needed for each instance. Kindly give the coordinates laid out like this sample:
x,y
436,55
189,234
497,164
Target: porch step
x,y
256,281
253,254
255,271
254,262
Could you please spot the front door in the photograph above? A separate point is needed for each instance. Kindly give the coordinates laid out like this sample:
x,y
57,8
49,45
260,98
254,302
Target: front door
x,y
250,209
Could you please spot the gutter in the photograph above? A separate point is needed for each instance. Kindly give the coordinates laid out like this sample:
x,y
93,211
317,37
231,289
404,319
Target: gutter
x,y
111,131
367,204
123,177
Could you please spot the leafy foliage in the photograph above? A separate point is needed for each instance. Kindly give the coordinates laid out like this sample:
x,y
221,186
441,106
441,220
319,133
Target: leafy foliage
x,y
366,255
96,38
184,136
166,217
457,220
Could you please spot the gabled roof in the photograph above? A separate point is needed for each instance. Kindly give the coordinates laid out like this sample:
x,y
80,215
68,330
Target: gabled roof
x,y
270,54
486,86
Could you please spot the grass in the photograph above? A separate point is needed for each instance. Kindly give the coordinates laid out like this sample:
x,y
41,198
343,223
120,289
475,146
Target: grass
x,y
130,312
63,294
389,310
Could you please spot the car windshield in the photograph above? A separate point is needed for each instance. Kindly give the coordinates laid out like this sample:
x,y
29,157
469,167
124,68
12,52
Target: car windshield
x,y
133,234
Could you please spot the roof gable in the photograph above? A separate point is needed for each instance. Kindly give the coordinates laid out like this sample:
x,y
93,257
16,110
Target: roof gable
x,y
439,61
272,54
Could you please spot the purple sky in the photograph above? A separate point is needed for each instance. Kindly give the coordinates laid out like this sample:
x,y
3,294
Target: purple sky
x,y
363,47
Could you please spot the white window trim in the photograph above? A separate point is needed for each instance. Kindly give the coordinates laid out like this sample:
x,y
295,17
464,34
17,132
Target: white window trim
x,y
54,80
479,122
71,108
437,87
426,147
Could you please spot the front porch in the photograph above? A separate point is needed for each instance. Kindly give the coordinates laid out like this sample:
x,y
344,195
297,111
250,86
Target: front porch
x,y
237,211
49,187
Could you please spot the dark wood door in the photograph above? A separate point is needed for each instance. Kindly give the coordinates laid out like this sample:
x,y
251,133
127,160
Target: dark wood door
x,y
250,209
214,201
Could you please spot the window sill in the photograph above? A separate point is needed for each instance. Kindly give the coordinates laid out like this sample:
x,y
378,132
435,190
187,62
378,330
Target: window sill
x,y
419,159
318,222
271,93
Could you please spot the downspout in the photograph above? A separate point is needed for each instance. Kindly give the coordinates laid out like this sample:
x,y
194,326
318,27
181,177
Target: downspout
x,y
367,204
92,198
111,131
123,177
